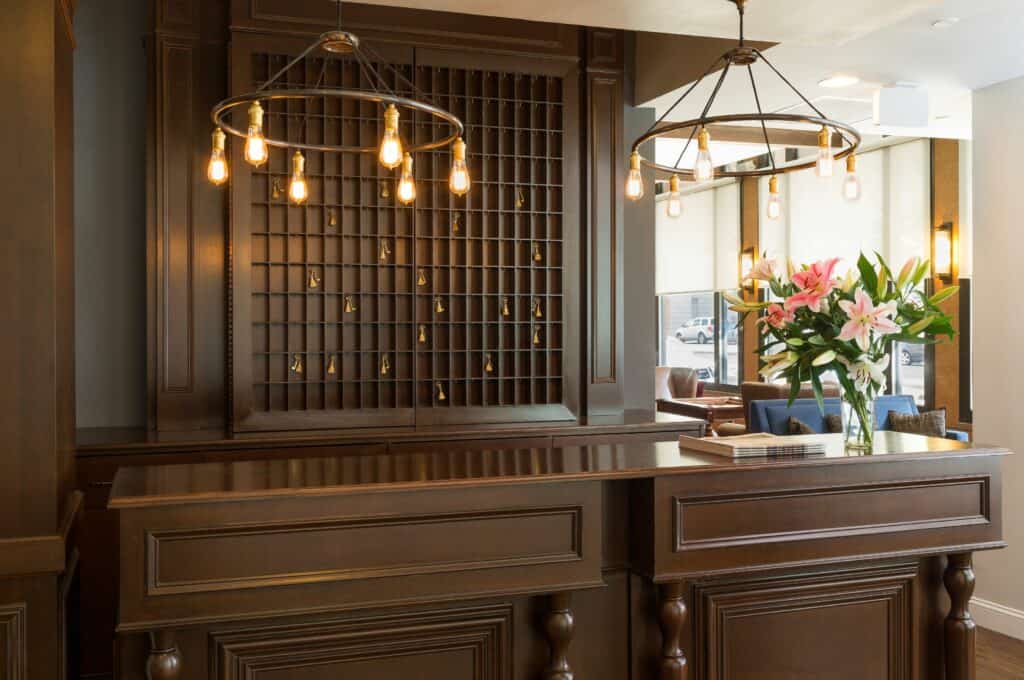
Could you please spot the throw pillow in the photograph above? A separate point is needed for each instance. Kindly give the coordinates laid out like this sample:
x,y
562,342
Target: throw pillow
x,y
930,423
833,422
796,426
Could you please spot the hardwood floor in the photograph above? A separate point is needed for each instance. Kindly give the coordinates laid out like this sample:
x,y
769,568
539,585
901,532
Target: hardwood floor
x,y
999,657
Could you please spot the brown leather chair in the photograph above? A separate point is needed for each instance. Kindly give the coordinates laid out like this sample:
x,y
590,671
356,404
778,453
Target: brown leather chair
x,y
750,391
675,382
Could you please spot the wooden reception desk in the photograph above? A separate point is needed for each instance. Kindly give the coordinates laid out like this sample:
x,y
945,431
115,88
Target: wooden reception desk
x,y
597,562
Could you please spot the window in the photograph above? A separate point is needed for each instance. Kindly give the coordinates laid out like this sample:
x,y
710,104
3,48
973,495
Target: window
x,y
697,330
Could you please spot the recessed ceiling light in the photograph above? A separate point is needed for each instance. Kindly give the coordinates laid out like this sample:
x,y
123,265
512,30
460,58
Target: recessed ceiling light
x,y
945,22
839,81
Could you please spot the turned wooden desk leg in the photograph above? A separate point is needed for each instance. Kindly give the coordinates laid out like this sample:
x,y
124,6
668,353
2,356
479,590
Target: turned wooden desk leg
x,y
671,618
558,628
959,580
164,661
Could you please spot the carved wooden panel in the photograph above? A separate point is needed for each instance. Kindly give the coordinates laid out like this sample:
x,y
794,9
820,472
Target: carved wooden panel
x,y
288,553
447,644
848,625
13,642
354,310
302,550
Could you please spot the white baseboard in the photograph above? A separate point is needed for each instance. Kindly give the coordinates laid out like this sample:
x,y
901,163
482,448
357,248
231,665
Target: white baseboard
x,y
997,617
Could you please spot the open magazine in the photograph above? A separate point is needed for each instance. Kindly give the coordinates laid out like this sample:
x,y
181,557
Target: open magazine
x,y
755,445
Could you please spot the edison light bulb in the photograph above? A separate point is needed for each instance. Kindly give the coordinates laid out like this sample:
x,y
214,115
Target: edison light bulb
x,y
217,170
406,185
459,181
851,185
255,145
774,202
824,165
675,201
634,180
298,191
390,144
703,168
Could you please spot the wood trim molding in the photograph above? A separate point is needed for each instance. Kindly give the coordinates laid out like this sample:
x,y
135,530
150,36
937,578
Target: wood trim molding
x,y
750,238
944,388
41,554
481,637
67,13
200,546
13,641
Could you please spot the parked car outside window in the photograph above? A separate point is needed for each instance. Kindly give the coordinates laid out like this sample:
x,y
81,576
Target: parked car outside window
x,y
700,330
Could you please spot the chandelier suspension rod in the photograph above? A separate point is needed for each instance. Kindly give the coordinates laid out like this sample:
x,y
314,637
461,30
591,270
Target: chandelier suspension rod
x,y
798,92
287,66
764,127
704,113
683,96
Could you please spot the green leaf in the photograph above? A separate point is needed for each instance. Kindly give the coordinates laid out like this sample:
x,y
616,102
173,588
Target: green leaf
x,y
794,390
918,327
883,283
867,273
819,394
795,342
824,358
922,271
817,340
943,295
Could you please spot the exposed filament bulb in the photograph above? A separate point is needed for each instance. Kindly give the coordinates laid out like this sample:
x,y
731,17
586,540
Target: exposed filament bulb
x,y
298,190
634,180
406,185
458,181
774,207
851,184
824,164
674,207
703,168
217,170
390,144
255,144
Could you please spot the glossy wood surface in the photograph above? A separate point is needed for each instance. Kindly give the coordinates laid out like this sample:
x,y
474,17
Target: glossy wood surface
x,y
169,484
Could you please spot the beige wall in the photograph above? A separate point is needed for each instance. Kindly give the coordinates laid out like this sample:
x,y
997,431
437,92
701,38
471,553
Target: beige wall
x,y
998,245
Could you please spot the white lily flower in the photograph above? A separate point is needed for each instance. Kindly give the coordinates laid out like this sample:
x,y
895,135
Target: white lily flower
x,y
864,372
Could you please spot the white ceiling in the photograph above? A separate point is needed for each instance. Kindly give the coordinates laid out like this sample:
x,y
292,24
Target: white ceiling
x,y
881,41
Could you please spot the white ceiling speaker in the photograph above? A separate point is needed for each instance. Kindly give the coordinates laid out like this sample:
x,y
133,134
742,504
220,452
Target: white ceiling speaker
x,y
901,105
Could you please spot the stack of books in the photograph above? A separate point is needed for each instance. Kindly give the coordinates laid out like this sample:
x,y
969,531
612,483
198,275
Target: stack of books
x,y
755,445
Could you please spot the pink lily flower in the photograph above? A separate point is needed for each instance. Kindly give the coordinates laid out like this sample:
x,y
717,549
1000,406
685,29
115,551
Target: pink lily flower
x,y
865,317
777,317
815,283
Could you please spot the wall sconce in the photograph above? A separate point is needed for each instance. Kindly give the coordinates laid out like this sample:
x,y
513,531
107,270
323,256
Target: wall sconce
x,y
942,252
746,267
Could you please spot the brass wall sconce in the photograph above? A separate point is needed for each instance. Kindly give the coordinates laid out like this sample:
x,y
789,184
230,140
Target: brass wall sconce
x,y
455,223
422,337
276,190
384,191
441,396
537,255
314,280
421,278
332,217
385,365
942,252
331,367
385,251
296,365
439,305
350,305
520,199
536,335
537,312
746,267
489,365
505,311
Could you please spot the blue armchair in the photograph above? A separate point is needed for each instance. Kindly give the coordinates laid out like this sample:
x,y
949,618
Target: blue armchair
x,y
772,415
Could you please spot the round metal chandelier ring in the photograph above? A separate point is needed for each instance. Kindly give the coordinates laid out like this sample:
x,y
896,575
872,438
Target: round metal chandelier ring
x,y
850,136
220,111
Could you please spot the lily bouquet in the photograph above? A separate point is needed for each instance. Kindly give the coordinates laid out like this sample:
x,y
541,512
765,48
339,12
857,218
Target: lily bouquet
x,y
824,324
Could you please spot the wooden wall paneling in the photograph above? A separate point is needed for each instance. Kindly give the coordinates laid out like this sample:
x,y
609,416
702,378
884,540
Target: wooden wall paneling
x,y
409,26
186,239
750,235
603,228
37,419
945,208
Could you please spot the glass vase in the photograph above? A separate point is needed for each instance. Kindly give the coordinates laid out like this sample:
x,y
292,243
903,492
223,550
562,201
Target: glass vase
x,y
858,420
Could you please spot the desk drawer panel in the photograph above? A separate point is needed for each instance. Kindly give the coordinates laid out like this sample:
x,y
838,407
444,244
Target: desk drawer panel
x,y
820,513
782,516
351,548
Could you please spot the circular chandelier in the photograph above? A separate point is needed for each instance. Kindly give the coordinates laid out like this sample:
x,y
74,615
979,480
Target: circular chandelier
x,y
391,152
703,169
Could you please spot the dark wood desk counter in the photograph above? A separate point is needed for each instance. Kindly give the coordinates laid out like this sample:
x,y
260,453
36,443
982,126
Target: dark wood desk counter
x,y
604,559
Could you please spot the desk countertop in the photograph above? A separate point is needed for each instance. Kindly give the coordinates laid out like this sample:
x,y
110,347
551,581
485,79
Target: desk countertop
x,y
156,485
